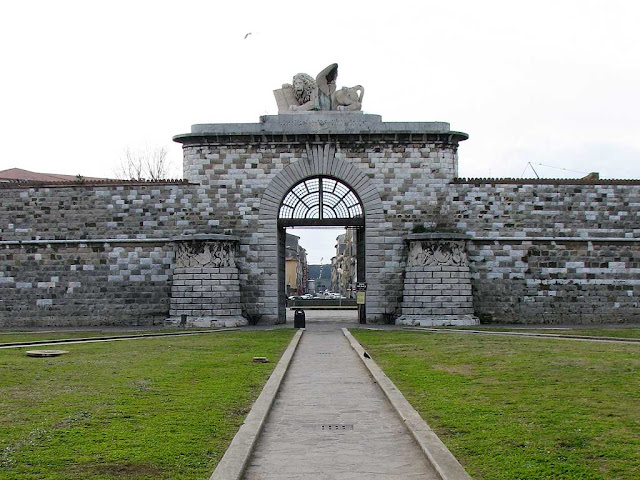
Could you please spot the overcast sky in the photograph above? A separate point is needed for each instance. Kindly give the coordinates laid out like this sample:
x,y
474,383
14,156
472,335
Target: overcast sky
x,y
551,83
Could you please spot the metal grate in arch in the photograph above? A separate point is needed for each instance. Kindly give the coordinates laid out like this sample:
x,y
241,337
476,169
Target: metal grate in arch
x,y
320,198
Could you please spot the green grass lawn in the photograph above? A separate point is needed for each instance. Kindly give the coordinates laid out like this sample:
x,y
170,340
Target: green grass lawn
x,y
521,408
153,408
619,332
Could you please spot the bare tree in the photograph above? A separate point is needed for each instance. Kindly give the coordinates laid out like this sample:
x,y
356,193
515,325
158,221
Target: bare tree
x,y
143,164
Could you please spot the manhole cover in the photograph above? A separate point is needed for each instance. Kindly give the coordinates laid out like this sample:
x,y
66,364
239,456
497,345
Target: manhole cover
x,y
45,353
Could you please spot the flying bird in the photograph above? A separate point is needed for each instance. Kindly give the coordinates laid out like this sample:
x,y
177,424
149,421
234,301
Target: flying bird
x,y
245,37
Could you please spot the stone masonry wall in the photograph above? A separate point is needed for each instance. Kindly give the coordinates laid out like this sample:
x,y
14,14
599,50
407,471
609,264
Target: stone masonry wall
x,y
552,251
546,208
74,283
92,254
123,210
556,281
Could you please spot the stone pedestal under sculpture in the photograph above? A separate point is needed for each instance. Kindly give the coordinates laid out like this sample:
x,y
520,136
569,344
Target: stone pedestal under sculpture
x,y
437,284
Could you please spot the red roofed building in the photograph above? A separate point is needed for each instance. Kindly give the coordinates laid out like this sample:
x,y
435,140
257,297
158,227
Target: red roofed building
x,y
20,175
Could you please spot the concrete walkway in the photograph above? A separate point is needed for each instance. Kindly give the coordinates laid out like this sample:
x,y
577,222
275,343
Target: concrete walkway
x,y
330,420
547,336
142,336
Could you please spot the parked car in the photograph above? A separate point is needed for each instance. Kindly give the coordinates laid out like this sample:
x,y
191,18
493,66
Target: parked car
x,y
307,296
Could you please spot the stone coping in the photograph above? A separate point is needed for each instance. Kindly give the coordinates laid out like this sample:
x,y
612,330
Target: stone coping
x,y
17,184
544,181
205,237
80,241
554,239
46,353
437,236
311,123
437,320
183,238
233,238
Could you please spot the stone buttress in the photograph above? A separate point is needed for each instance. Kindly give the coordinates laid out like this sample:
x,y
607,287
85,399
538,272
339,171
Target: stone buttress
x,y
437,284
205,291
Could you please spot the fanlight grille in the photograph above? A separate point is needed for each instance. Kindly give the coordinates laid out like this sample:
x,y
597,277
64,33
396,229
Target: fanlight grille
x,y
320,198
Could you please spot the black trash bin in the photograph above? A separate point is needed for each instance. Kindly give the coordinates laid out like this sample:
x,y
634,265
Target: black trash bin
x,y
298,319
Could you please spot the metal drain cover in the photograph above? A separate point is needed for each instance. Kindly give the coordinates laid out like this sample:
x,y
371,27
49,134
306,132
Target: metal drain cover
x,y
334,427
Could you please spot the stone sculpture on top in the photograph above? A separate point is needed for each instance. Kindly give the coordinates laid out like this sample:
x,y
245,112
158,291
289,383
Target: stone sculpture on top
x,y
308,94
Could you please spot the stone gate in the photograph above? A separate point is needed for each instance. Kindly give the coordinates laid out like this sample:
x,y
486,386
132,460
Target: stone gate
x,y
399,171
434,248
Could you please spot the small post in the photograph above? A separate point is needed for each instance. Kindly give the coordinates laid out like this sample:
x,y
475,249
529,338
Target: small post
x,y
361,298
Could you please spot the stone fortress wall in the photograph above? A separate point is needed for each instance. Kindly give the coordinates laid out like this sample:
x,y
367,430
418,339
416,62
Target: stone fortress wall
x,y
91,254
538,251
549,251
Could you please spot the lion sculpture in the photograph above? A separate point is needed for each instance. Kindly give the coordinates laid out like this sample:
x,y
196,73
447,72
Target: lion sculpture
x,y
305,91
309,94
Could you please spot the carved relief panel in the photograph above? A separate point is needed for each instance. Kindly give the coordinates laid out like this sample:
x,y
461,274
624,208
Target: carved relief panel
x,y
202,254
438,253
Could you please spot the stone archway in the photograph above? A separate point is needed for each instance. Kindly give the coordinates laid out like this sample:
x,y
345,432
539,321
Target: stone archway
x,y
322,201
321,161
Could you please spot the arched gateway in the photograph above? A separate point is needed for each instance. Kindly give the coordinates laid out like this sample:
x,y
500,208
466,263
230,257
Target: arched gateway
x,y
321,201
315,168
319,191
322,162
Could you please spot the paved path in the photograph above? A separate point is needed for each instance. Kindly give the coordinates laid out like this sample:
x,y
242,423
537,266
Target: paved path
x,y
547,336
143,336
330,421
